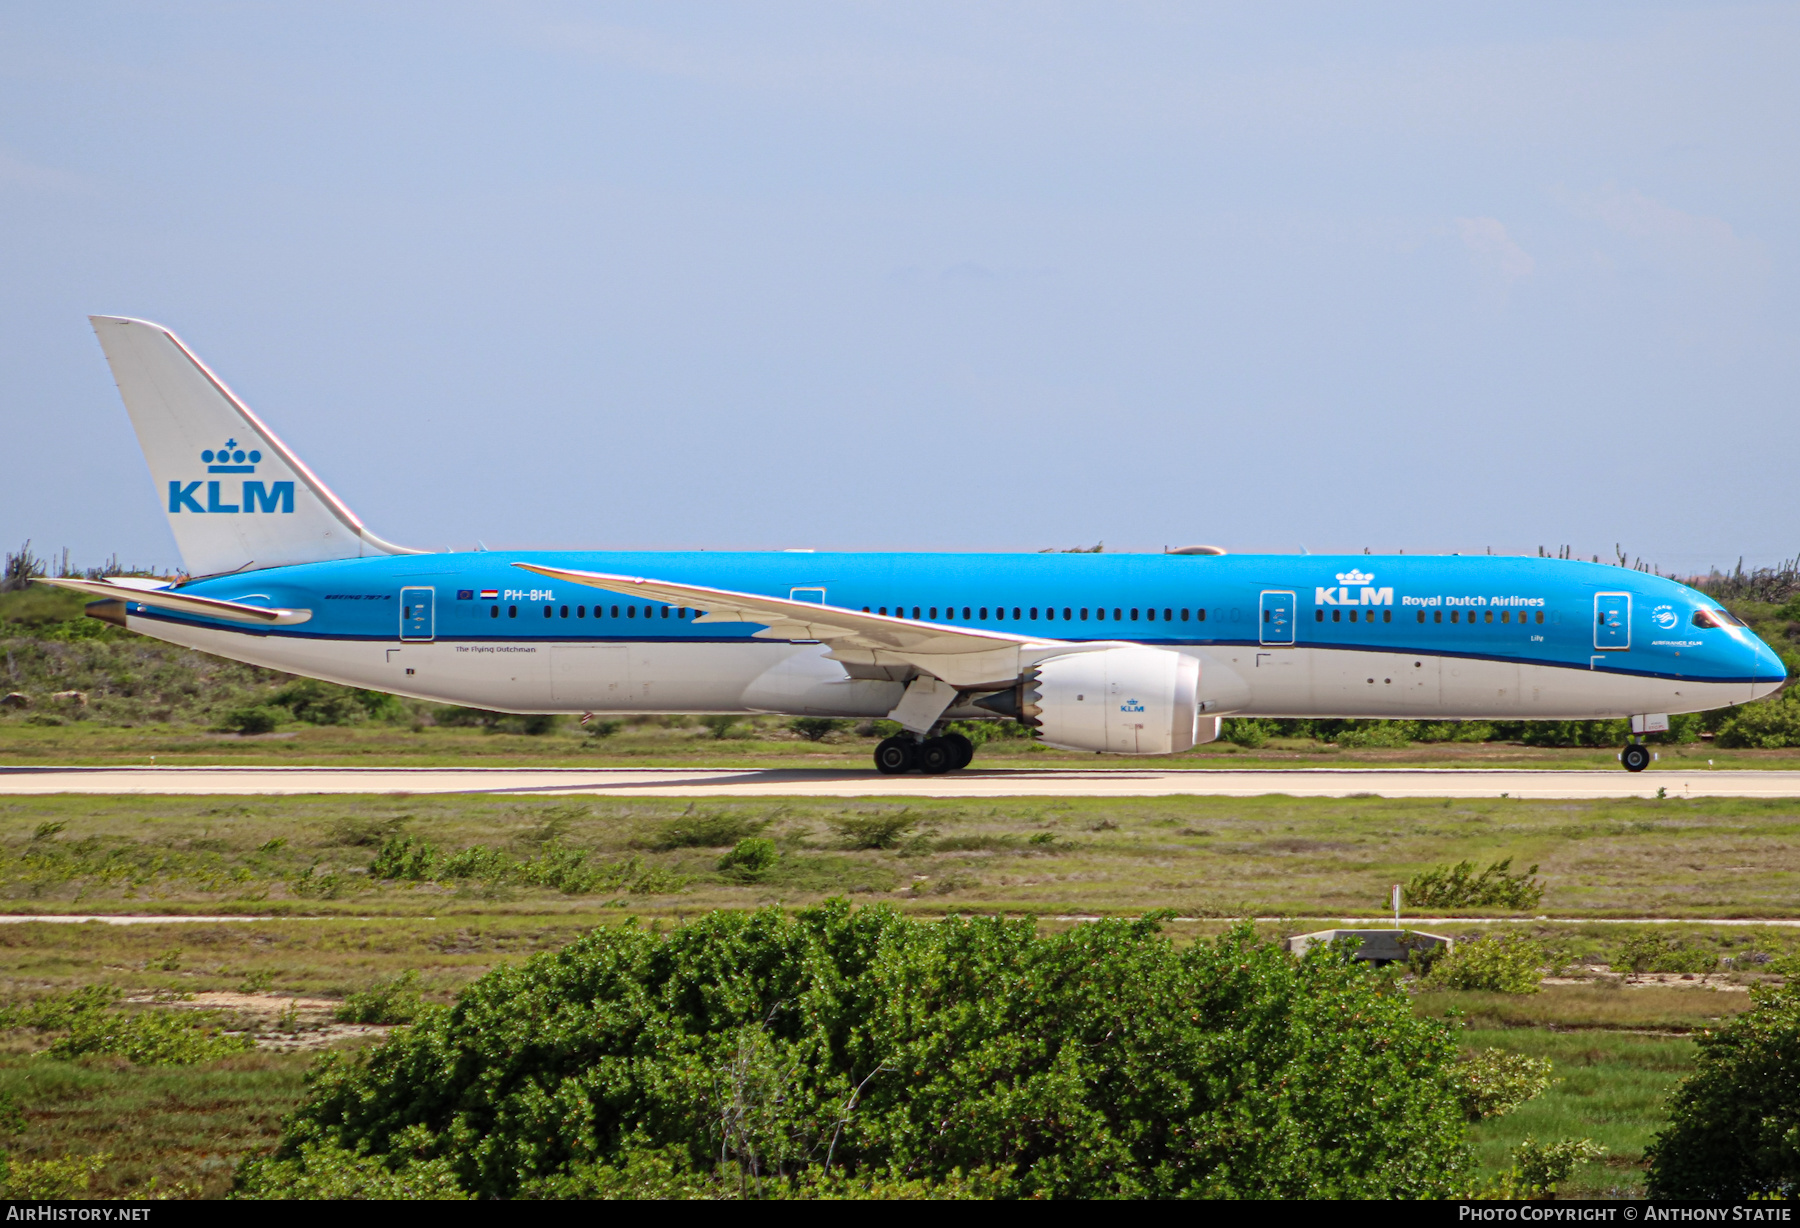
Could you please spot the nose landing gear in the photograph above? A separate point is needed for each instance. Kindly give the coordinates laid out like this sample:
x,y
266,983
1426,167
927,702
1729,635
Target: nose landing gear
x,y
1635,757
901,753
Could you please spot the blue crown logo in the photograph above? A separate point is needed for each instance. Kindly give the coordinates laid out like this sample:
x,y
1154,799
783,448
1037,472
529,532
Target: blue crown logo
x,y
231,459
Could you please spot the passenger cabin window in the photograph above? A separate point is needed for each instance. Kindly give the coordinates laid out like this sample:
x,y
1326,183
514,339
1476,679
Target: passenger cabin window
x,y
615,612
1134,614
1437,616
1200,615
493,611
512,611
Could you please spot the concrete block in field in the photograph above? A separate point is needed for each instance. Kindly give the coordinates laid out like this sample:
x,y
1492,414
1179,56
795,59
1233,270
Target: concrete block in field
x,y
1378,946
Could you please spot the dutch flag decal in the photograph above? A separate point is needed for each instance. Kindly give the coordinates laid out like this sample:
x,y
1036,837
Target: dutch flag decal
x,y
490,594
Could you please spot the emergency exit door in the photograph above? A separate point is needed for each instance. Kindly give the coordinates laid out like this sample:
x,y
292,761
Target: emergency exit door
x,y
417,620
1277,618
1612,621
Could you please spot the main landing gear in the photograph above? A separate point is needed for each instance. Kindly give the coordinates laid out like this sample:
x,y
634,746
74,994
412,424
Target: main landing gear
x,y
905,753
1635,757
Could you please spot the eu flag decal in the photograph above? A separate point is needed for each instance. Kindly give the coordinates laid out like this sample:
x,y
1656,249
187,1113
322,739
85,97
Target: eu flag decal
x,y
465,594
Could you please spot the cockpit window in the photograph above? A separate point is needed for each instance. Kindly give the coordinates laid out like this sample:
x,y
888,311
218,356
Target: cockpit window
x,y
1716,618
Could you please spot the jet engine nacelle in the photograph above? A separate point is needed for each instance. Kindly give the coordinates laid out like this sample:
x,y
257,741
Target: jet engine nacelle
x,y
1128,701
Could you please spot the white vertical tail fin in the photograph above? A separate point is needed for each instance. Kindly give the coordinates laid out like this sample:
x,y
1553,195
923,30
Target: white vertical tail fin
x,y
236,497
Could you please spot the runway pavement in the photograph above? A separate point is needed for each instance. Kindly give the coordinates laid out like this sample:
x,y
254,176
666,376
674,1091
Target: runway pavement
x,y
819,782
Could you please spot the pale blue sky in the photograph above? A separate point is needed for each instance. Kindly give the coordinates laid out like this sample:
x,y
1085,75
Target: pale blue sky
x,y
1421,276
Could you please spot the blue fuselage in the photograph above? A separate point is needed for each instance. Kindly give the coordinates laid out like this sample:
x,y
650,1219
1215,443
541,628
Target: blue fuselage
x,y
1544,612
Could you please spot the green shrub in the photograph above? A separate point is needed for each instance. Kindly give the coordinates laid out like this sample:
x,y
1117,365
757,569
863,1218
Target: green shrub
x,y
324,1170
321,703
1458,886
391,1001
405,858
873,831
92,1026
532,725
1734,1124
1767,725
65,1177
1499,963
260,718
1096,1061
1369,734
815,728
599,730
980,733
148,1038
751,859
1575,733
1537,1169
709,831
1244,731
477,861
722,727
1495,1081
1663,953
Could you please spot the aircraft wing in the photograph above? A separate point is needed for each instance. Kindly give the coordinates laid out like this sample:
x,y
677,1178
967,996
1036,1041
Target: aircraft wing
x,y
960,656
207,607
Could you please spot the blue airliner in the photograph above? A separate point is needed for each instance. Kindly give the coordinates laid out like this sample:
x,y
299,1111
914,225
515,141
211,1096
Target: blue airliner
x,y
1126,654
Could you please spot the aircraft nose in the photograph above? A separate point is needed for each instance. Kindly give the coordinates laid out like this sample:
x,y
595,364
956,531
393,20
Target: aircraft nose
x,y
1767,671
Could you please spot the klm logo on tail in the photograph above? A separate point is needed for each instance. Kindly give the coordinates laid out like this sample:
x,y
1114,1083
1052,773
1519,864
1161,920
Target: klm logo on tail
x,y
255,496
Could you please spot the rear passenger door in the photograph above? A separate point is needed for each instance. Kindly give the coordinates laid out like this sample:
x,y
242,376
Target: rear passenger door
x,y
1276,624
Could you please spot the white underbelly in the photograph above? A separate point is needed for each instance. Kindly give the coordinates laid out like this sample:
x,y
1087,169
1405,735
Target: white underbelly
x,y
1312,682
749,676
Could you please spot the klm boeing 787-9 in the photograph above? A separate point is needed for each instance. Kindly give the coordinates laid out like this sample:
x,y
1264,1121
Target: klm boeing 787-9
x,y
1127,654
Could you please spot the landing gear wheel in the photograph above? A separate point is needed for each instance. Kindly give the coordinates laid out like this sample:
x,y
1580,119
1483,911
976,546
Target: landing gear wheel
x,y
963,748
936,755
1635,757
896,755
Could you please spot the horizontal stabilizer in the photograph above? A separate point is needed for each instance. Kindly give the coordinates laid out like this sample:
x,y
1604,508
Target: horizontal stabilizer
x,y
162,599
